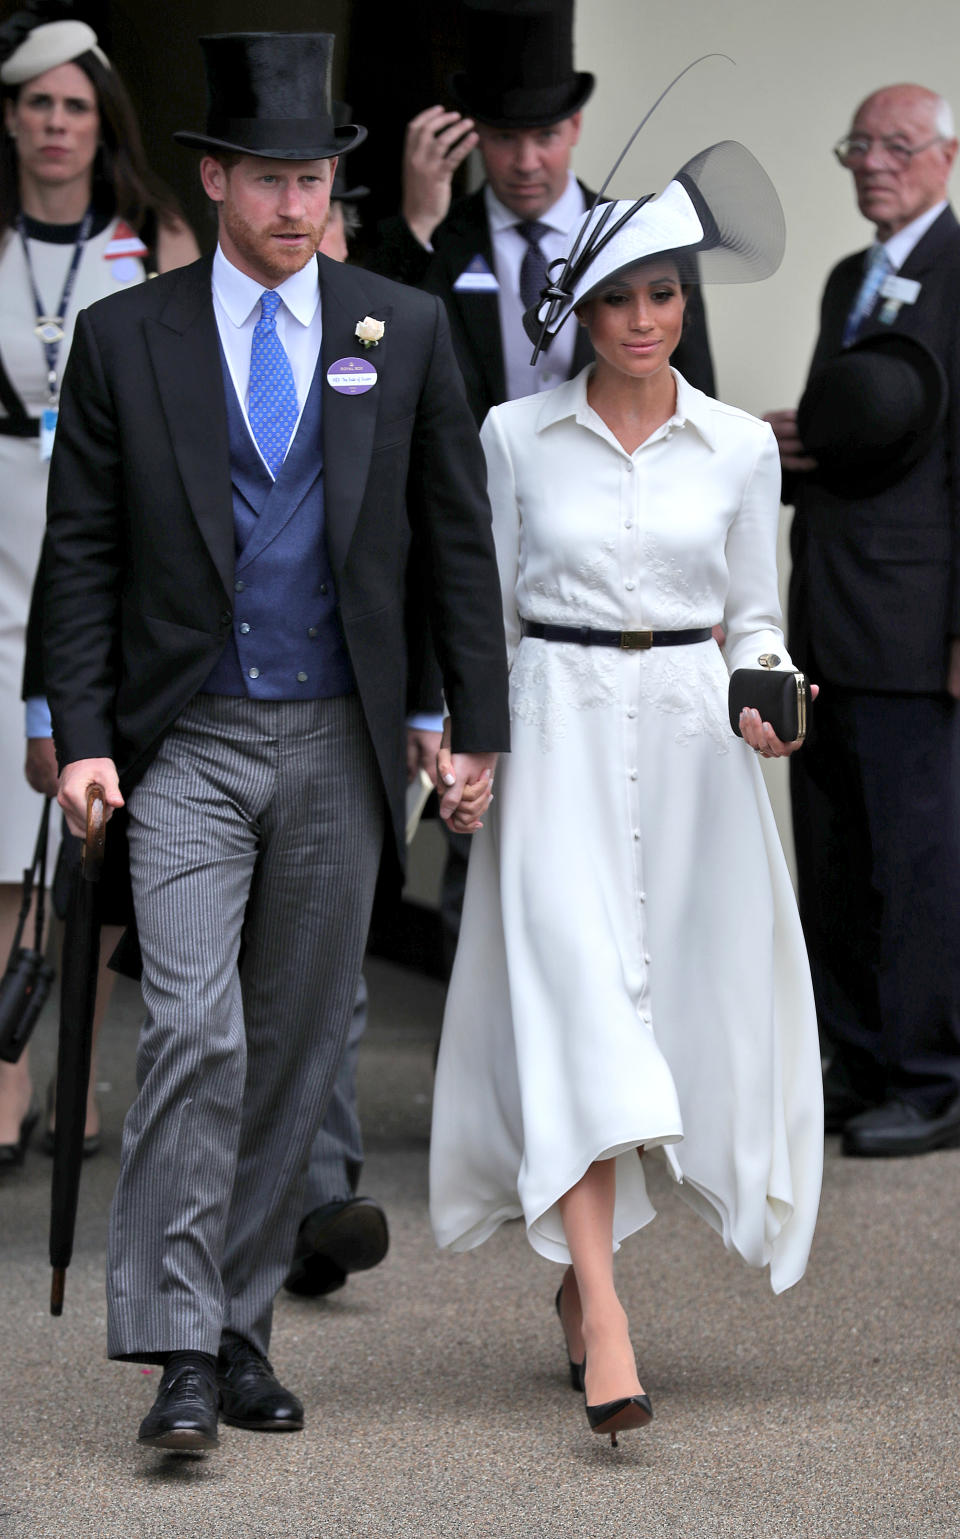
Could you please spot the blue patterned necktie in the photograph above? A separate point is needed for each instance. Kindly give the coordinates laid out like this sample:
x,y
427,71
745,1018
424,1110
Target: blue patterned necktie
x,y
533,268
272,406
878,265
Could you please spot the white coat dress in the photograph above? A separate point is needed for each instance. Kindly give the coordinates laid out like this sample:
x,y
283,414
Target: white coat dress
x,y
631,969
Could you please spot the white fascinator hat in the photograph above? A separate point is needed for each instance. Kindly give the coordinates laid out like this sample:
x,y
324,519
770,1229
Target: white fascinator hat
x,y
35,48
719,220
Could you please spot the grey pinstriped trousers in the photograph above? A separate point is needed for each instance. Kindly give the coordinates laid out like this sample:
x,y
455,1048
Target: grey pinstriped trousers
x,y
258,821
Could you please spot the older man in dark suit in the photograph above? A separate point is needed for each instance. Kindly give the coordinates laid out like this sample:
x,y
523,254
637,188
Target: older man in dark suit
x,y
875,617
258,458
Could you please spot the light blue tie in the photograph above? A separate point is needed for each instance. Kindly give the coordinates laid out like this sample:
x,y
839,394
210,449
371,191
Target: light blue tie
x,y
877,268
272,407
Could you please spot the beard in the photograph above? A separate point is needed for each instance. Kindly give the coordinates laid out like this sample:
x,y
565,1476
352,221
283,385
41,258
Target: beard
x,y
263,252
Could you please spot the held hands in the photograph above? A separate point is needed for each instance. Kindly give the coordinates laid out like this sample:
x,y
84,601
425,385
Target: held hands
x,y
466,780
74,781
793,455
436,143
760,736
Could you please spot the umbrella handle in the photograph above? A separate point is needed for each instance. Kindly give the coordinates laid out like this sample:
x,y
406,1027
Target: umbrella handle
x,y
93,843
57,1285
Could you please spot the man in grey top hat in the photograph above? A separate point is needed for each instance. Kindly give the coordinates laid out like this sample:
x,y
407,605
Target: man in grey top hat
x,y
258,458
871,466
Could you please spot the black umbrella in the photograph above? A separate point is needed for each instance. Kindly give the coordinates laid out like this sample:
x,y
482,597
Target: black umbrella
x,y
78,992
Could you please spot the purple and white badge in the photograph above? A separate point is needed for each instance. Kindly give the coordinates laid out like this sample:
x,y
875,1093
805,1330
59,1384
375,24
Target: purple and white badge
x,y
352,376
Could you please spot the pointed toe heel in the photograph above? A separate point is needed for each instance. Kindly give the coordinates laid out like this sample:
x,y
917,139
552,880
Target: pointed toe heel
x,y
615,1416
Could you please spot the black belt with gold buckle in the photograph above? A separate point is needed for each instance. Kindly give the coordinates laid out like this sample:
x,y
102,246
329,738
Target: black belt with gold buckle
x,y
627,641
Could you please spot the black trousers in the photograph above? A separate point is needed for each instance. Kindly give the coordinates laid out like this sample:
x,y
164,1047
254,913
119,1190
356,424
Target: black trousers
x,y
876,816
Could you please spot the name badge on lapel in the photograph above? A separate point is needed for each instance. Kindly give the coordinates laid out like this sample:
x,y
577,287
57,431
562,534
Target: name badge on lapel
x,y
476,278
351,376
895,292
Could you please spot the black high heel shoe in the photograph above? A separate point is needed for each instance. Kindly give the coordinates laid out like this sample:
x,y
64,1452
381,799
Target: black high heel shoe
x,y
13,1155
613,1416
576,1369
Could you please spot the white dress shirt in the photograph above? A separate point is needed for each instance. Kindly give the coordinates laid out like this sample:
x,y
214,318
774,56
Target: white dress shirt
x,y
509,250
900,245
236,306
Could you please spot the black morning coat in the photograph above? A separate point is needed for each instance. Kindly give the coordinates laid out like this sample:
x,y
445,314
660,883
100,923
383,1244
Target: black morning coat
x,y
875,589
475,317
138,591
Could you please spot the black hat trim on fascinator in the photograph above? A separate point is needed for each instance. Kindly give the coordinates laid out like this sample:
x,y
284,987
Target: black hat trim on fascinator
x,y
719,219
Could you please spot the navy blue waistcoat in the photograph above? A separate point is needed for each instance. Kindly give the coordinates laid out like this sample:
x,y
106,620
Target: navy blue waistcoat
x,y
287,641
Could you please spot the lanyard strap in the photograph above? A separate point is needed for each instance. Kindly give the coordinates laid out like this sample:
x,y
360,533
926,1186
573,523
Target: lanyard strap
x,y
49,328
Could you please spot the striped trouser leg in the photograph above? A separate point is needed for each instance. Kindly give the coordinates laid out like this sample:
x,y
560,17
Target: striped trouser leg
x,y
336,1154
260,820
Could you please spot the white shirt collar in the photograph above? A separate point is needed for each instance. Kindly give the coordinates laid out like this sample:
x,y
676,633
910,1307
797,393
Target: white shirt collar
x,y
562,217
239,294
900,245
570,400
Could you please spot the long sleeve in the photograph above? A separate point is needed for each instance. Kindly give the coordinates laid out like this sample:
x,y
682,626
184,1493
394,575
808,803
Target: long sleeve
x,y
752,616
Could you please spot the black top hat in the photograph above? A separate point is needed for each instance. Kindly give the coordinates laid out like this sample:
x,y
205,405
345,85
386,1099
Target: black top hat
x,y
268,94
871,412
519,70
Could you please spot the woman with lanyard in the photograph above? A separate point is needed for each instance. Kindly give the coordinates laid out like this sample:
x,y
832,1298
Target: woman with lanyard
x,y
631,976
80,217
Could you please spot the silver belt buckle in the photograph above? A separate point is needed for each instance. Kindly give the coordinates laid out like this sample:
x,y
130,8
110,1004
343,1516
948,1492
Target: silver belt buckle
x,y
636,641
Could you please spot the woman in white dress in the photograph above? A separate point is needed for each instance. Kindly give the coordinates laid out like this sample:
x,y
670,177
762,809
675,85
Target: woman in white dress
x,y
631,972
75,195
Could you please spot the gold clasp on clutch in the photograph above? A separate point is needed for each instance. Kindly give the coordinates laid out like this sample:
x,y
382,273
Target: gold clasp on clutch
x,y
636,641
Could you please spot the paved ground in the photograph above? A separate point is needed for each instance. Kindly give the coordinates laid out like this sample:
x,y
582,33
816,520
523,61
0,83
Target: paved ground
x,y
435,1388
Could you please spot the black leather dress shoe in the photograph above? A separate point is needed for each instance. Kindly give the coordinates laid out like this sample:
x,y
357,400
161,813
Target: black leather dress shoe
x,y
341,1237
184,1415
898,1127
251,1395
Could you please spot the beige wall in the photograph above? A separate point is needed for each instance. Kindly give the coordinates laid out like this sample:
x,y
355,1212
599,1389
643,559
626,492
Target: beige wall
x,y
800,70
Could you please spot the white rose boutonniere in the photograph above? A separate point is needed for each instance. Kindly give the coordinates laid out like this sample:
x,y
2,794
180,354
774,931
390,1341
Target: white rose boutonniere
x,y
369,331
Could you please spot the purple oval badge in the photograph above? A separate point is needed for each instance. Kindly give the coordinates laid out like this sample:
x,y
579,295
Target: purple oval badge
x,y
352,376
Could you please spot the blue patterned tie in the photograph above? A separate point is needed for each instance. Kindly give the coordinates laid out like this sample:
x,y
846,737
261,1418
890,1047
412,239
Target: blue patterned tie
x,y
272,401
533,268
878,265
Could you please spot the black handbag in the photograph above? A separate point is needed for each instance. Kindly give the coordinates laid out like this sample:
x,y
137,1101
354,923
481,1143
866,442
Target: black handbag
x,y
783,699
26,983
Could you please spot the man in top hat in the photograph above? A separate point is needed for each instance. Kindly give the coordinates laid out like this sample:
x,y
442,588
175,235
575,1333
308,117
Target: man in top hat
x,y
258,459
871,466
520,100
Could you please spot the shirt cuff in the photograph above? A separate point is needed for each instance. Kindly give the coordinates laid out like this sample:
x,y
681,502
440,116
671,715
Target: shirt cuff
x,y
424,721
37,714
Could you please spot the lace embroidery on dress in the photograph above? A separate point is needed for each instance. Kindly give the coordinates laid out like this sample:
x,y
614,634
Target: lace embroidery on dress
x,y
550,678
679,605
689,692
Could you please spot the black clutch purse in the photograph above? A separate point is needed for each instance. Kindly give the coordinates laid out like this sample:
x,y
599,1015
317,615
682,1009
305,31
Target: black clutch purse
x,y
783,699
26,983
